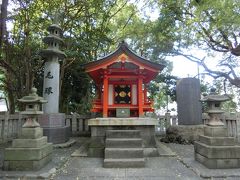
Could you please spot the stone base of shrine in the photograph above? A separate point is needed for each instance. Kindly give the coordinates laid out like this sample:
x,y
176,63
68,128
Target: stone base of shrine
x,y
99,126
54,127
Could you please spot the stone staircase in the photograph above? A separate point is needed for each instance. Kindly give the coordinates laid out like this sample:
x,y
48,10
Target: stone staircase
x,y
123,149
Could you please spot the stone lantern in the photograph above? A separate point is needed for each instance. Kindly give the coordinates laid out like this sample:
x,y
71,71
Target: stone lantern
x,y
32,108
215,149
214,103
31,150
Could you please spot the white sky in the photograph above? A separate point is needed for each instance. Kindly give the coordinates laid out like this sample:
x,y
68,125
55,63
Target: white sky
x,y
183,67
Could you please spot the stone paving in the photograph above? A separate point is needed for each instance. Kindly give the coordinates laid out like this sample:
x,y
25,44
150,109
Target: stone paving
x,y
158,168
64,167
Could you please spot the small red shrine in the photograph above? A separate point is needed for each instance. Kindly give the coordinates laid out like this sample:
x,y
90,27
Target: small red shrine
x,y
121,80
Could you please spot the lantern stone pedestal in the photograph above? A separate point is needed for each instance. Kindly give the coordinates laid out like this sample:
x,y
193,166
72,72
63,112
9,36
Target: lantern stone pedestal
x,y
30,151
215,149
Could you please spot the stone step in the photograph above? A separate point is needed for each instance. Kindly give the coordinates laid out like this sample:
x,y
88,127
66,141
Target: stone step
x,y
123,143
124,163
122,153
123,134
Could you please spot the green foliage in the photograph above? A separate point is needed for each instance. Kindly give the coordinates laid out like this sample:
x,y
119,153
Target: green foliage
x,y
91,29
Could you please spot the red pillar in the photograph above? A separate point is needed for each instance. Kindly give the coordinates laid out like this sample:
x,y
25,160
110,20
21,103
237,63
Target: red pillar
x,y
105,96
140,97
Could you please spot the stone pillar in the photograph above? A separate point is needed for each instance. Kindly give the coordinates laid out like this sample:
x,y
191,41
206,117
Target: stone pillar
x,y
51,86
52,121
188,104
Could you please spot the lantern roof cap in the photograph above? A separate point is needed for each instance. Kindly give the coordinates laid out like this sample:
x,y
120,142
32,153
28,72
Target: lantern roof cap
x,y
46,53
32,97
51,38
55,27
213,96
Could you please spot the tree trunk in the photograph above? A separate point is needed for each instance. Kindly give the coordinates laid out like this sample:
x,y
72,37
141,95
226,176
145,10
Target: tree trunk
x,y
3,18
11,102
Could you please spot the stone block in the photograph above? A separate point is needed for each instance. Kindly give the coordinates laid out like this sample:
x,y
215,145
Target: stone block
x,y
122,112
29,143
52,120
218,163
57,135
54,127
31,133
221,152
215,131
23,165
27,154
217,141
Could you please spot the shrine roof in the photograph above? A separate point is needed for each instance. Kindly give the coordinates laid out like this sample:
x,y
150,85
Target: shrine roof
x,y
122,49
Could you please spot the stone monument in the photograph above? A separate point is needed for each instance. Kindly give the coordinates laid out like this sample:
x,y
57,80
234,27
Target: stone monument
x,y
215,149
188,105
189,109
52,121
30,151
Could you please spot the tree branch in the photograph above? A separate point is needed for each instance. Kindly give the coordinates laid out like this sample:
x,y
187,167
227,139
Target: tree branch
x,y
216,74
